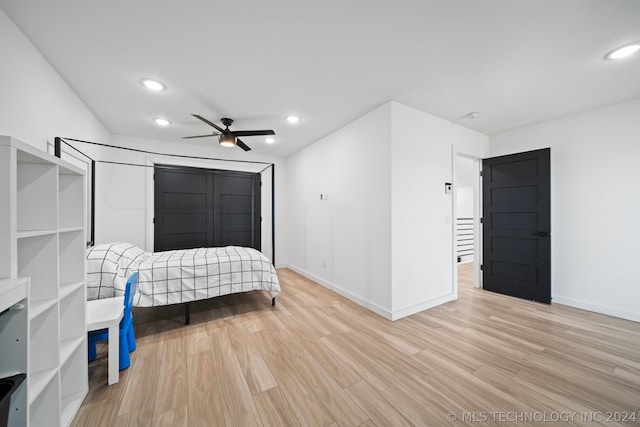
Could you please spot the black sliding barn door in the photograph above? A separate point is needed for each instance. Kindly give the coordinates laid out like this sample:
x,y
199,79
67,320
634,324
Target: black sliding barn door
x,y
516,225
203,208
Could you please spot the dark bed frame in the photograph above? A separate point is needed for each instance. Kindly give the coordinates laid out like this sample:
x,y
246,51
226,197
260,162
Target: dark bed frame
x,y
57,151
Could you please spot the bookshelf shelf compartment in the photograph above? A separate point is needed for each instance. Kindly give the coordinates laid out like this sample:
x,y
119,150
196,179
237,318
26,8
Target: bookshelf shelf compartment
x,y
42,242
38,260
37,191
71,246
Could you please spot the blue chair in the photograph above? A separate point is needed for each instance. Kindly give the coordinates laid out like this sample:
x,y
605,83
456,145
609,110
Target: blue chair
x,y
127,338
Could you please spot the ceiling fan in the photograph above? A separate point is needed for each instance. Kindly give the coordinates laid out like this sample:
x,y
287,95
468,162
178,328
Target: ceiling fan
x,y
227,137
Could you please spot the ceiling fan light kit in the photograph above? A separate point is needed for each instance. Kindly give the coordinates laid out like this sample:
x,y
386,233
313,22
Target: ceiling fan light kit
x,y
227,140
228,137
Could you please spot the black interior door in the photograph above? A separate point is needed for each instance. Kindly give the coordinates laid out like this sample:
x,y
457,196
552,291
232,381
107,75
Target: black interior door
x,y
203,208
516,225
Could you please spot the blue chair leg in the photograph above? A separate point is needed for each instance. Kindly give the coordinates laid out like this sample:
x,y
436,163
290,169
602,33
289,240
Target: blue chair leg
x,y
123,357
92,348
92,338
131,339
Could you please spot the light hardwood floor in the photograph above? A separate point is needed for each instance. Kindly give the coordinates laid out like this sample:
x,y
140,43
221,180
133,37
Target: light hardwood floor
x,y
318,359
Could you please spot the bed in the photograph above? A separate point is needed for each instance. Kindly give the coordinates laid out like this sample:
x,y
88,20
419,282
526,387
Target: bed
x,y
179,276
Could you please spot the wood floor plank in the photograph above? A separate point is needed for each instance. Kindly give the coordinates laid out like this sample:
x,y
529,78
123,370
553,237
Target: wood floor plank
x,y
317,382
275,409
204,400
381,412
541,402
304,402
608,391
140,418
632,376
417,401
318,359
100,415
98,375
197,340
237,402
339,372
171,391
387,354
469,391
255,370
176,417
344,410
145,374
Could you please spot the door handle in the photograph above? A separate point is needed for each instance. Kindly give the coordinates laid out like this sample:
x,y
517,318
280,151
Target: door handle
x,y
540,233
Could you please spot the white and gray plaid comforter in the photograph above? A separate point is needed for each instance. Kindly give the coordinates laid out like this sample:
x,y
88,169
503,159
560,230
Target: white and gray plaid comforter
x,y
178,276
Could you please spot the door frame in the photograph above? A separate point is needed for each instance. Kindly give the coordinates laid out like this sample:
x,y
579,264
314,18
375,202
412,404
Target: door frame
x,y
477,214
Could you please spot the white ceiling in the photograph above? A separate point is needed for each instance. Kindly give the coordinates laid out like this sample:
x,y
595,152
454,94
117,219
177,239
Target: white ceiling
x,y
515,62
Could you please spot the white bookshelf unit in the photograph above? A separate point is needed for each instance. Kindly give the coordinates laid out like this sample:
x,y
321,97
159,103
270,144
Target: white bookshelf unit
x,y
42,244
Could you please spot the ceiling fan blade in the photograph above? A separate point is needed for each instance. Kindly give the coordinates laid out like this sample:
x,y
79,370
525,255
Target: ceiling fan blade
x,y
242,145
218,128
252,132
200,136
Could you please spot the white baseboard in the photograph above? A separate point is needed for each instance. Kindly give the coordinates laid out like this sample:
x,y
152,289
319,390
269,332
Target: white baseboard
x,y
417,308
597,308
366,304
389,315
408,311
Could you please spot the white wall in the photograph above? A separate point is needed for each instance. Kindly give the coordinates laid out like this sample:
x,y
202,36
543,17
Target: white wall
x,y
464,202
465,180
595,205
36,105
345,242
386,231
422,148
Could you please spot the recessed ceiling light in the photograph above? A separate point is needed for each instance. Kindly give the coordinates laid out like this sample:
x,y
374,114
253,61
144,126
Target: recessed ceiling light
x,y
624,51
292,119
269,140
161,122
153,84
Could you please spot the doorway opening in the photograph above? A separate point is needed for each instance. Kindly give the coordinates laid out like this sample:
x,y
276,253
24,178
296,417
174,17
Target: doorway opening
x,y
467,197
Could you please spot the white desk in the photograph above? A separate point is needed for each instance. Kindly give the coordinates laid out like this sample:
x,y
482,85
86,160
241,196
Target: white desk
x,y
107,313
11,292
